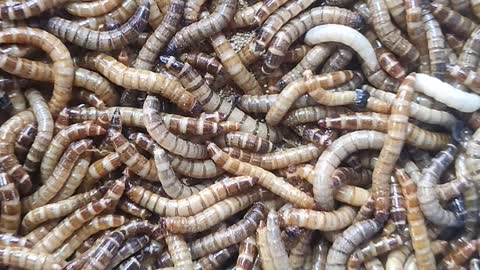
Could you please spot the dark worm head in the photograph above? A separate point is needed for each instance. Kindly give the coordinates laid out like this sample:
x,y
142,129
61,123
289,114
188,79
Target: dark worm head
x,y
461,133
361,98
171,62
171,49
281,85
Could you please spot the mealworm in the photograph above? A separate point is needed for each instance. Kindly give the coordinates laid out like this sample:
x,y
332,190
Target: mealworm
x,y
101,40
24,141
245,17
191,126
234,66
338,60
436,45
202,29
55,182
398,211
467,77
272,24
203,62
296,27
416,136
462,26
416,222
389,34
297,253
91,9
231,235
95,225
265,178
470,197
311,114
247,253
452,189
267,8
457,258
315,86
214,214
472,160
386,59
279,159
416,32
131,247
61,141
75,179
10,205
469,57
118,15
26,258
277,248
429,203
133,209
455,43
15,241
345,244
45,130
316,220
264,252
263,103
27,9
337,151
90,99
212,102
101,168
374,248
193,204
62,62
158,39
155,126
246,141
215,260
16,97
296,54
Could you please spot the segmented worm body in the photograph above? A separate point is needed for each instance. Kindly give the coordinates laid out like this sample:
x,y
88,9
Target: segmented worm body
x,y
268,8
247,253
29,259
245,17
91,9
373,249
9,205
318,220
246,141
203,62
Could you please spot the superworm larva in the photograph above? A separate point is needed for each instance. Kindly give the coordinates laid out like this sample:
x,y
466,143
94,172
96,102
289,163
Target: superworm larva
x,y
261,104
296,53
131,247
133,209
317,220
386,59
10,205
469,78
462,26
338,60
264,252
75,179
24,141
245,17
269,7
93,8
374,248
247,253
436,45
29,259
246,141
204,62
278,252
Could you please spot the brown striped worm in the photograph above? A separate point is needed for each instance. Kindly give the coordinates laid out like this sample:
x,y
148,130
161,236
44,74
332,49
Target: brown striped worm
x,y
338,60
91,9
29,259
247,253
203,62
10,205
245,17
24,141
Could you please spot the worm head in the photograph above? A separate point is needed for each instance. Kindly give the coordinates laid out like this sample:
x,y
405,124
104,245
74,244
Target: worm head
x,y
461,133
171,62
361,98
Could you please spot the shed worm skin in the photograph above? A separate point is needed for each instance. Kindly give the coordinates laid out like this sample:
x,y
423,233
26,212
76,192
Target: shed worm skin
x,y
62,61
266,179
97,224
75,179
338,60
429,203
204,28
394,141
462,26
345,244
263,103
203,62
143,80
303,23
279,159
45,130
24,141
101,40
247,252
155,126
374,248
231,235
314,58
214,214
245,17
212,102
119,15
277,248
55,181
318,220
469,78
91,9
268,7
27,258
193,204
416,222
273,23
9,205
389,34
315,86
332,157
61,141
416,136
234,66
131,247
159,38
296,53
246,141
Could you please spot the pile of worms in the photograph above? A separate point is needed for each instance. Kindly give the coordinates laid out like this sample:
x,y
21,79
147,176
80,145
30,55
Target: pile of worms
x,y
235,134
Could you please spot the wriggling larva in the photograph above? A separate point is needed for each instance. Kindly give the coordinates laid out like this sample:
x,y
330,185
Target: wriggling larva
x,y
61,141
62,62
212,102
462,26
101,40
314,58
17,99
469,78
193,204
373,249
247,252
296,53
264,252
159,38
389,34
278,251
178,248
55,210
338,60
469,57
429,202
318,220
79,171
214,214
8,132
45,130
265,178
90,99
204,28
55,182
334,154
10,205
436,45
416,32
131,247
387,60
119,15
457,258
398,211
470,196
416,136
231,235
394,141
263,103
97,224
203,62
416,222
472,157
269,7
302,23
246,141
312,114
274,22
24,141
234,66
245,17
345,244
133,209
315,86
91,9
101,168
279,159
26,258
417,111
